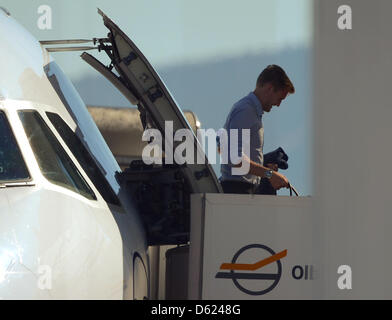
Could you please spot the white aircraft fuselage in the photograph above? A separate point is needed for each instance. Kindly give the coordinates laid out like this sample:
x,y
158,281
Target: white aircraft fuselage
x,y
66,232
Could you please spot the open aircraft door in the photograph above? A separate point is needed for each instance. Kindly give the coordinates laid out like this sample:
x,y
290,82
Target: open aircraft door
x,y
162,192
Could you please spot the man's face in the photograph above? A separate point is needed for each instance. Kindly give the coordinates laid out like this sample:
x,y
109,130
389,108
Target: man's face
x,y
274,98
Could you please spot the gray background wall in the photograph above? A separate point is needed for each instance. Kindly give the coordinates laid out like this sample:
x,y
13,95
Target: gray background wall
x,y
353,113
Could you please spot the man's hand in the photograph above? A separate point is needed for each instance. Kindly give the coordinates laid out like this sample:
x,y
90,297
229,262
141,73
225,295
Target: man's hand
x,y
272,166
278,181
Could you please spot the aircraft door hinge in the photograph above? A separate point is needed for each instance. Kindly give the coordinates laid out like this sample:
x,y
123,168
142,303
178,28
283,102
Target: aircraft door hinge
x,y
128,59
154,93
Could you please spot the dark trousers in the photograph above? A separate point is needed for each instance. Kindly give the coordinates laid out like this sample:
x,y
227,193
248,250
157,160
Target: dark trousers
x,y
264,187
237,187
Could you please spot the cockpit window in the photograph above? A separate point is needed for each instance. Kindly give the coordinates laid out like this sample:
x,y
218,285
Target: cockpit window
x,y
12,165
55,164
84,158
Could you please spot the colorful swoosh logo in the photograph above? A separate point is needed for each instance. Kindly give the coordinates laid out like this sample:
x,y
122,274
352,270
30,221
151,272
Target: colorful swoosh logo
x,y
254,266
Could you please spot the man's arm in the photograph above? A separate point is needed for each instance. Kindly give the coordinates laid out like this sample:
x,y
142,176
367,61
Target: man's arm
x,y
277,180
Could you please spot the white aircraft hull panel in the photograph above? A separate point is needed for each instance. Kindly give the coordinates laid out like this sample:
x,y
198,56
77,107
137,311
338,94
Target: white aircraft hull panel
x,y
73,250
88,247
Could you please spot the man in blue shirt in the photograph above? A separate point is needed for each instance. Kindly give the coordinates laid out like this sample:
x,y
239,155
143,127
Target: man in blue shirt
x,y
272,87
